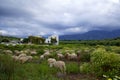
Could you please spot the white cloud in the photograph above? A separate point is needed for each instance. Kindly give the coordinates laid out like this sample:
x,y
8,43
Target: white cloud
x,y
115,1
3,32
76,30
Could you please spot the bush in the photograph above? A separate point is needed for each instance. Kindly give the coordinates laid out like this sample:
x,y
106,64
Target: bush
x,y
5,40
40,51
106,63
85,68
72,67
85,57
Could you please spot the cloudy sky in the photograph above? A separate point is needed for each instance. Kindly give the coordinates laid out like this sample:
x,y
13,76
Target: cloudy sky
x,y
45,17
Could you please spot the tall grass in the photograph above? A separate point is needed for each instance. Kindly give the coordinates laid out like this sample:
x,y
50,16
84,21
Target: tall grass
x,y
32,71
72,67
7,67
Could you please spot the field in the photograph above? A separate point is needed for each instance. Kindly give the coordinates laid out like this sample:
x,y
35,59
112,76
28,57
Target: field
x,y
96,62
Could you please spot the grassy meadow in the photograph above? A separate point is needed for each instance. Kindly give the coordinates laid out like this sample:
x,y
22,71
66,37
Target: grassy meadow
x,y
96,62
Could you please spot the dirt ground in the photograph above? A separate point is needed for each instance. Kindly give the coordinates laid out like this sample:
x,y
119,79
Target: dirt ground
x,y
76,77
80,77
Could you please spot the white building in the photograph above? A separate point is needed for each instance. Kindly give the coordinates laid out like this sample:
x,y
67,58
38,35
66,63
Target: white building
x,y
48,40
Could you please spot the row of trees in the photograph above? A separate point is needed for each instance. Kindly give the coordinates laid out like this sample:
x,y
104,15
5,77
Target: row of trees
x,y
34,40
7,38
114,42
30,39
38,40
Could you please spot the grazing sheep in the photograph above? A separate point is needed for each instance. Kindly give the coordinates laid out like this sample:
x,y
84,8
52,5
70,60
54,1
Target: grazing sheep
x,y
30,58
60,65
47,54
50,61
33,52
42,57
57,64
21,51
17,52
15,58
25,51
22,55
23,59
7,52
72,56
60,56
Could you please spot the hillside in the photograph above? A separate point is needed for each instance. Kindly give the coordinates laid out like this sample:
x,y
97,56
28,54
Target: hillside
x,y
92,35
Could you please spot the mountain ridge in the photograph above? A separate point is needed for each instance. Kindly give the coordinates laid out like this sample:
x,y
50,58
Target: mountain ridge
x,y
92,35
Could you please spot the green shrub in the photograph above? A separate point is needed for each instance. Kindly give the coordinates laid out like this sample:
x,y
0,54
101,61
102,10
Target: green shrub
x,y
105,63
108,48
85,68
85,57
40,51
72,67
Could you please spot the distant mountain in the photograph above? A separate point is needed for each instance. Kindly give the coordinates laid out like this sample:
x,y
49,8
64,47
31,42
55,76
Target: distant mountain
x,y
92,35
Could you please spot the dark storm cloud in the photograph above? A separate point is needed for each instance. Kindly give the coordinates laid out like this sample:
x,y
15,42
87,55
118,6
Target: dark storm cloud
x,y
42,17
8,12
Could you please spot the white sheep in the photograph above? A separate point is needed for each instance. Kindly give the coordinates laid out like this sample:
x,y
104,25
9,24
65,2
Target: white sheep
x,y
7,51
25,51
22,55
60,65
42,57
33,52
50,61
57,64
23,59
17,52
16,58
72,56
30,58
47,54
60,56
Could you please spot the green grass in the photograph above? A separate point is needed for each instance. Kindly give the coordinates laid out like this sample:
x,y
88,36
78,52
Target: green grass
x,y
32,71
7,66
72,67
39,70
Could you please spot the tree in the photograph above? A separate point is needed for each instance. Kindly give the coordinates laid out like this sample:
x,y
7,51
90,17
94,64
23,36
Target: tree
x,y
5,40
53,40
36,40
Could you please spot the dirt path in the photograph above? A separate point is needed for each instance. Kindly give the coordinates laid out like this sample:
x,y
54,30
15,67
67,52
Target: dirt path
x,y
76,77
80,77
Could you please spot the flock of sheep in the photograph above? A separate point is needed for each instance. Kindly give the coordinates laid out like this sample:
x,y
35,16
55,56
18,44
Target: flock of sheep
x,y
23,56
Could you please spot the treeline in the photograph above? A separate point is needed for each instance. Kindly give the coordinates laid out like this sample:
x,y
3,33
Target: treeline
x,y
8,38
34,39
38,40
111,42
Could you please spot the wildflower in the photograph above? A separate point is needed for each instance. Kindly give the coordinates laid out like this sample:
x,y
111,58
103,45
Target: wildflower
x,y
104,76
109,79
